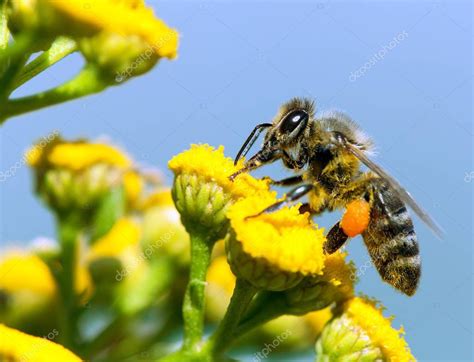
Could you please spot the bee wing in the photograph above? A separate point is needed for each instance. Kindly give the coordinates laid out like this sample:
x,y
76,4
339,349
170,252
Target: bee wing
x,y
404,195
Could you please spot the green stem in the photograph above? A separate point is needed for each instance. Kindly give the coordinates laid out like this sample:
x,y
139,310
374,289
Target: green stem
x,y
261,315
88,81
193,304
61,48
223,336
12,59
69,229
4,32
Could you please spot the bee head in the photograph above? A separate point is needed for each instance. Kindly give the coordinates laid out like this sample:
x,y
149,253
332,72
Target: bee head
x,y
286,131
290,122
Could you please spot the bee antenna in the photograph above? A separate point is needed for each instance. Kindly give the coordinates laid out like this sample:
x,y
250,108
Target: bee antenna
x,y
251,140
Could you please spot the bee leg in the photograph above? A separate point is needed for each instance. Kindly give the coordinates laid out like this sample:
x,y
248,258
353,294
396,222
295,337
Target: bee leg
x,y
289,181
354,222
293,195
335,238
306,207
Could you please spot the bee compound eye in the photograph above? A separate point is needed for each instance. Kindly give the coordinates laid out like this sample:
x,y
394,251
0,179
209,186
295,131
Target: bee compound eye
x,y
292,120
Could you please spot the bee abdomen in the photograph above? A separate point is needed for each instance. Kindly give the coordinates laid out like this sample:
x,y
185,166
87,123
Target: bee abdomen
x,y
393,246
399,263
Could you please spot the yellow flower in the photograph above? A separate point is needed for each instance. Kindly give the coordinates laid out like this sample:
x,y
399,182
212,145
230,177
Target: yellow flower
x,y
120,38
275,250
369,317
16,346
363,332
213,166
26,272
28,289
77,174
128,18
202,190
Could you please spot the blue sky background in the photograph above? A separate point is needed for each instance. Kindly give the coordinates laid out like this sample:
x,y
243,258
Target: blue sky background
x,y
238,62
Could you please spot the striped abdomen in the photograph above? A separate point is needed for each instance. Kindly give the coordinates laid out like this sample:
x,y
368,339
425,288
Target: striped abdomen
x,y
391,240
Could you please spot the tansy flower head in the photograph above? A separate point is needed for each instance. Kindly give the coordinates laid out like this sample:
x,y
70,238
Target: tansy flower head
x,y
77,174
273,251
363,332
202,190
16,346
317,292
122,38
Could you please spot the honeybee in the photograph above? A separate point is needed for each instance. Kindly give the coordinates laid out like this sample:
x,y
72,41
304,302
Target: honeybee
x,y
328,151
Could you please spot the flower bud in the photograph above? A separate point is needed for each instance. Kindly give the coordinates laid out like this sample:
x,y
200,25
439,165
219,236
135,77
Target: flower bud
x,y
77,175
121,38
202,191
361,332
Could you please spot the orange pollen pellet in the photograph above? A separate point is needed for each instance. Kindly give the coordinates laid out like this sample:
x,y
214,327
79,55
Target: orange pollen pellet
x,y
356,218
